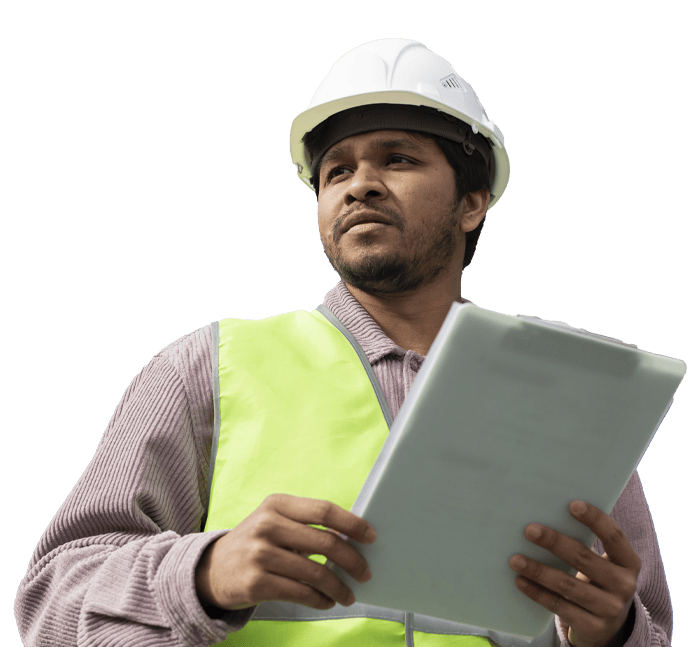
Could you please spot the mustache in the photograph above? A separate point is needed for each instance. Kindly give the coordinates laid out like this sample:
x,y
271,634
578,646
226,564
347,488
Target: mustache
x,y
368,205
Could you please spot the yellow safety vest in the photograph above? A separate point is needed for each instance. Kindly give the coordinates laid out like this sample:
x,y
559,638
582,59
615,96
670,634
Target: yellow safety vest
x,y
298,410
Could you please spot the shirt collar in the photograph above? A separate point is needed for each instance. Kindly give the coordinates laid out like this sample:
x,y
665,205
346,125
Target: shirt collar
x,y
358,321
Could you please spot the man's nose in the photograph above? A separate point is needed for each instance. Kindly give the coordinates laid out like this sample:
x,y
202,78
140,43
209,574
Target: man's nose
x,y
366,183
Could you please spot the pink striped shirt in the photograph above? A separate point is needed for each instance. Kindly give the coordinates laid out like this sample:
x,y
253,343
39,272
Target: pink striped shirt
x,y
116,564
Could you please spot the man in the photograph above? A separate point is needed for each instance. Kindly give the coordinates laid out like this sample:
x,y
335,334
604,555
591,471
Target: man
x,y
278,419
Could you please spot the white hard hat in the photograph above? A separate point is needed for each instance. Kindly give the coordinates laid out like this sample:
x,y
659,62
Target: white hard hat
x,y
403,72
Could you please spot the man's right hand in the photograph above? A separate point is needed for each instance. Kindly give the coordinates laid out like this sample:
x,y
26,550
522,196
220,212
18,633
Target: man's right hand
x,y
265,556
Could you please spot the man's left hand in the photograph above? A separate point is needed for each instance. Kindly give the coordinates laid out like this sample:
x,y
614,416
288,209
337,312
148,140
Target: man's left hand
x,y
596,602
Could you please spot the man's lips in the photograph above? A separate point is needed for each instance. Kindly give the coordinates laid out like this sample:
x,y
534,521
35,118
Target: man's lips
x,y
366,227
364,216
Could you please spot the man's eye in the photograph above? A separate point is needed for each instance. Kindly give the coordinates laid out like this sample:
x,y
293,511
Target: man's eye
x,y
336,171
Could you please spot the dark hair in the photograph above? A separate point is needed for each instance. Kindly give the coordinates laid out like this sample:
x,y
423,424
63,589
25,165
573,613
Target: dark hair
x,y
471,174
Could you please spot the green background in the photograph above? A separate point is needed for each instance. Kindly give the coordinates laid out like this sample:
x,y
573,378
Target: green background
x,y
148,190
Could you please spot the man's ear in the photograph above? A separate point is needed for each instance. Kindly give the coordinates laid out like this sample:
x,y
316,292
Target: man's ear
x,y
473,208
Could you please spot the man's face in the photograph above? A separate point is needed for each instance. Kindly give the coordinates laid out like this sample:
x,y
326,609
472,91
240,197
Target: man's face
x,y
388,212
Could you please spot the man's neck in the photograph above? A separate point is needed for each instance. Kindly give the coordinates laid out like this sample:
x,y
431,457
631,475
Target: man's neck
x,y
410,319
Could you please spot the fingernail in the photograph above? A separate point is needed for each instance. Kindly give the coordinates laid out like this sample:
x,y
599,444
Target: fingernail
x,y
367,576
578,507
370,535
533,532
519,562
350,599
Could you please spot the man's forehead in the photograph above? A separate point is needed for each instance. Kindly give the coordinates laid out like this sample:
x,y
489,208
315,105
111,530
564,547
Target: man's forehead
x,y
378,139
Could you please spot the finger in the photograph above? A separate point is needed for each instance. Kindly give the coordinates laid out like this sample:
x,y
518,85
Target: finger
x,y
302,569
599,628
574,589
313,541
323,513
615,542
269,586
572,552
598,569
567,611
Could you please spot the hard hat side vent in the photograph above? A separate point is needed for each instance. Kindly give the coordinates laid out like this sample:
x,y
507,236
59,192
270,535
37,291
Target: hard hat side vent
x,y
452,82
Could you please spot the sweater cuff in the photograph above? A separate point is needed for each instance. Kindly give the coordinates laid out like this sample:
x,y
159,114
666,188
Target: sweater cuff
x,y
176,591
641,635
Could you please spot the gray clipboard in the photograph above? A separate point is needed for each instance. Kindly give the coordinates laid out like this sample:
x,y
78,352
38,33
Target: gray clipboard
x,y
509,419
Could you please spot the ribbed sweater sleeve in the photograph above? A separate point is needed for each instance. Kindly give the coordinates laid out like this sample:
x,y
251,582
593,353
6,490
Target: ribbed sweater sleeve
x,y
116,564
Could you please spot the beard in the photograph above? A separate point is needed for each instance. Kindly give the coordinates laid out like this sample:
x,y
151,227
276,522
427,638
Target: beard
x,y
425,254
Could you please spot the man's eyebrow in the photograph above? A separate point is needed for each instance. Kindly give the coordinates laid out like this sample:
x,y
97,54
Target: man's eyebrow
x,y
397,143
333,153
387,144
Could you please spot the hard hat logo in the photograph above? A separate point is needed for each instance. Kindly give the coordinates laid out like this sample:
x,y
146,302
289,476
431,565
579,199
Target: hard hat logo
x,y
403,73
